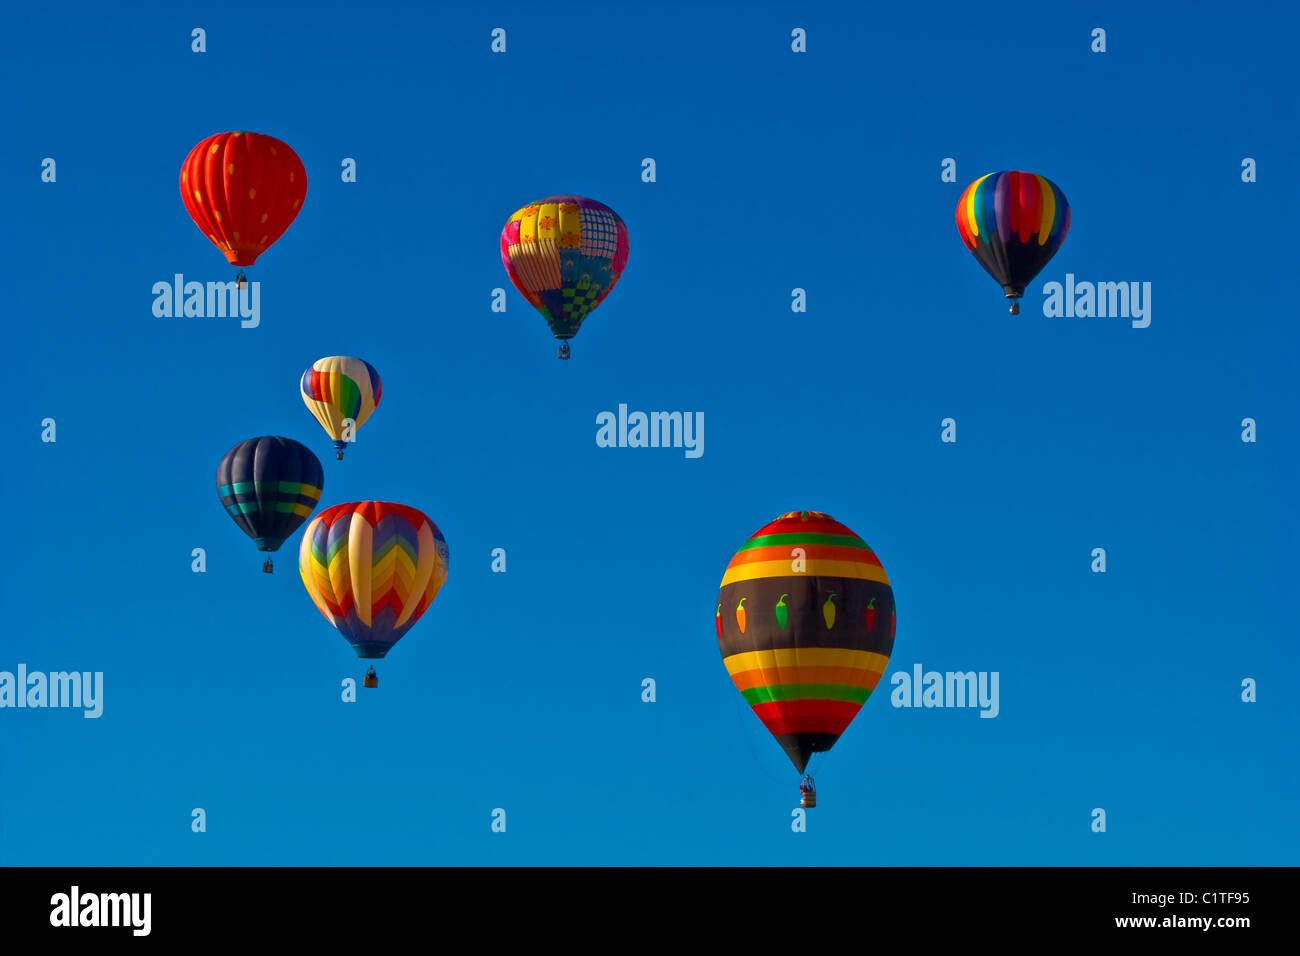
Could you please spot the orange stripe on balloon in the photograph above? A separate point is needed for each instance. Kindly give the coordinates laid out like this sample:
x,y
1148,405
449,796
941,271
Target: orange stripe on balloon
x,y
823,552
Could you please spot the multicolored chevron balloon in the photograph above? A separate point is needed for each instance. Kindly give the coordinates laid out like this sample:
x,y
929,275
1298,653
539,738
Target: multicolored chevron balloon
x,y
372,568
565,254
805,623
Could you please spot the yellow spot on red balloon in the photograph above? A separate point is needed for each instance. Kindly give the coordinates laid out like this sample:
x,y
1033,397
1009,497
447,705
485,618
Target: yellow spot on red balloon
x,y
295,203
252,194
217,214
273,152
215,147
198,196
264,215
230,169
291,177
236,237
262,241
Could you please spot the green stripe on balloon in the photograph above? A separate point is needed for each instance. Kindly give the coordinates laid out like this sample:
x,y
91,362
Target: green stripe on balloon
x,y
775,540
782,692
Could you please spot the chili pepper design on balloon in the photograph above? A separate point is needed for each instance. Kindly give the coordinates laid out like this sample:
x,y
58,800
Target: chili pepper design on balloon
x,y
719,622
828,612
806,679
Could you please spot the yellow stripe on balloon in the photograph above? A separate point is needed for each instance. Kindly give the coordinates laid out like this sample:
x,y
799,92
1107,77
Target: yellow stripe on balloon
x,y
548,221
528,224
859,570
1049,210
570,221
361,540
805,657
310,571
971,219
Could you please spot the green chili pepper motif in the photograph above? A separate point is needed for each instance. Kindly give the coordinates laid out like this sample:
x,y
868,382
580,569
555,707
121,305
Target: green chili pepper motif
x,y
782,612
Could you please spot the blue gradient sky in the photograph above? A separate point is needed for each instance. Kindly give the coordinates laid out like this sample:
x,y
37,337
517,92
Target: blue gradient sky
x,y
522,690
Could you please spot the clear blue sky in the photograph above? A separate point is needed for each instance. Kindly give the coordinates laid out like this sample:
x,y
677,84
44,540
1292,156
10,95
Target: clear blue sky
x,y
522,690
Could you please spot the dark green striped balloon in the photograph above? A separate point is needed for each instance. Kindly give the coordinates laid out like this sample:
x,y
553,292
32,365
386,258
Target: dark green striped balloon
x,y
269,487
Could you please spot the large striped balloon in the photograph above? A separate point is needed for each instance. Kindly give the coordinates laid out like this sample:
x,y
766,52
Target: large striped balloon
x,y
372,568
337,388
1013,223
565,254
805,624
243,190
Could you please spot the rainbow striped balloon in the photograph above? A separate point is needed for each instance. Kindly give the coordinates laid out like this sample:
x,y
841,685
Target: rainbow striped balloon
x,y
372,568
1013,223
337,388
805,624
565,254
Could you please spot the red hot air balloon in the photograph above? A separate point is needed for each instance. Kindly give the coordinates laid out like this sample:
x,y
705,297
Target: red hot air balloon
x,y
243,190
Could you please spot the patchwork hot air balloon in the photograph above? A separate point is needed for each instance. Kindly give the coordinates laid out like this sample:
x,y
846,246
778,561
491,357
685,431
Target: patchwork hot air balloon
x,y
565,254
1013,223
269,486
243,190
372,568
805,624
341,392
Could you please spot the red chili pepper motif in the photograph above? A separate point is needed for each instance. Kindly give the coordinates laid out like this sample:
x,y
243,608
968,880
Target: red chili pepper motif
x,y
719,622
871,614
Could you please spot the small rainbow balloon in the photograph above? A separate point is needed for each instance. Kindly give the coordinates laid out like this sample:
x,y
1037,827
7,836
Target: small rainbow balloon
x,y
1013,223
339,389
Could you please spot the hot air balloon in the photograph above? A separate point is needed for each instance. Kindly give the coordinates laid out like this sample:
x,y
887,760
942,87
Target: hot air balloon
x,y
565,254
269,486
805,634
1013,223
340,390
372,568
243,190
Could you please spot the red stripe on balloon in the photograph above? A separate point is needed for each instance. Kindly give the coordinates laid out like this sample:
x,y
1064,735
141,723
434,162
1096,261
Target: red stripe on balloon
x,y
807,716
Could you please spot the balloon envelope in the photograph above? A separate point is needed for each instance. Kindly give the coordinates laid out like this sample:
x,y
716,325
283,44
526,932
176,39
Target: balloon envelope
x,y
565,254
243,190
339,387
1013,223
372,568
805,637
269,486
